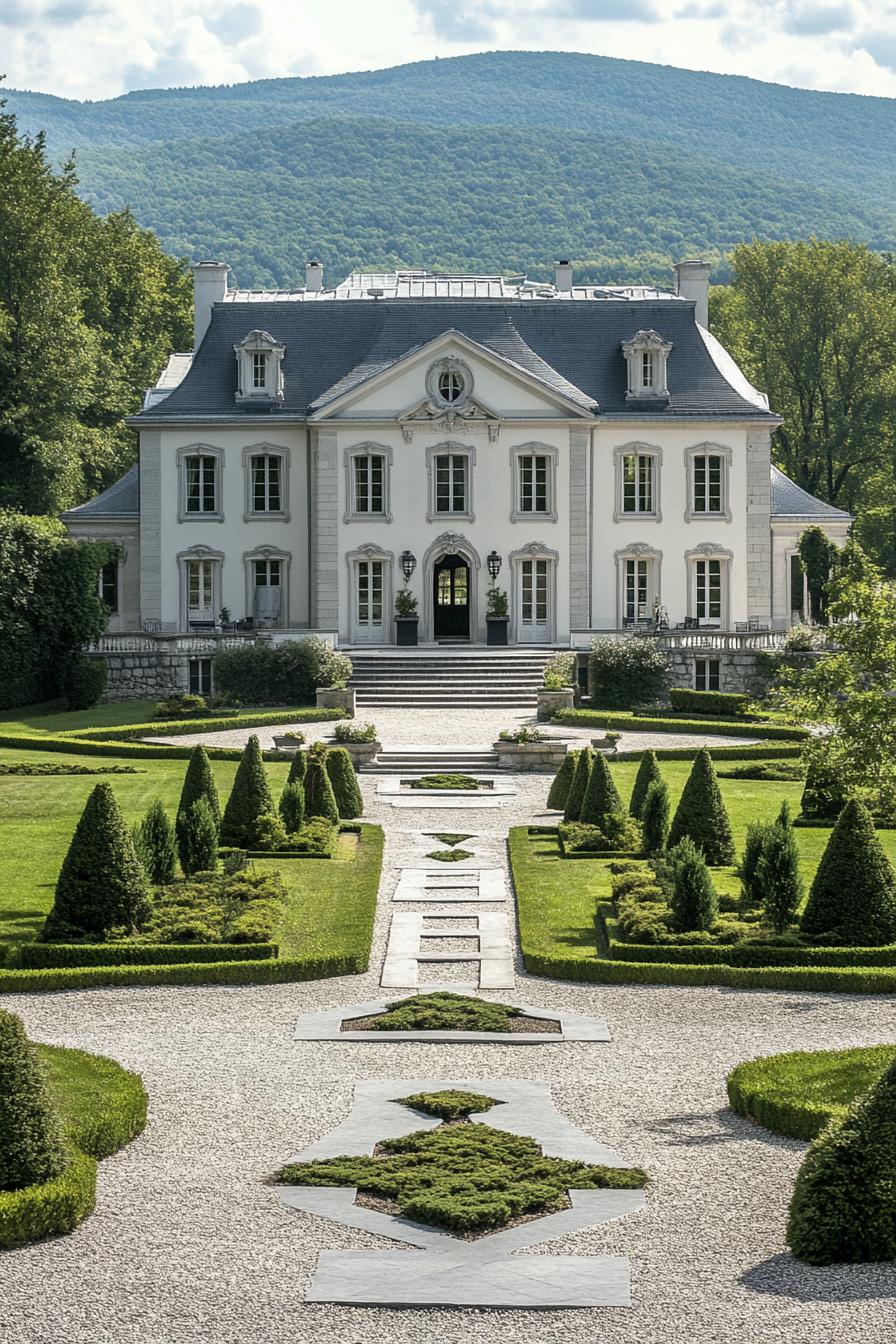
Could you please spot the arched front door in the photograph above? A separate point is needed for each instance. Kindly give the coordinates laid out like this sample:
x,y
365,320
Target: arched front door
x,y
451,598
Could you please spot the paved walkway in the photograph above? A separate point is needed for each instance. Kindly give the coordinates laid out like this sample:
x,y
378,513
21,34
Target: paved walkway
x,y
189,1244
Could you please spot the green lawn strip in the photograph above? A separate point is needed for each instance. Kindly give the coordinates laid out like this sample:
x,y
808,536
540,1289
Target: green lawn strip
x,y
260,718
466,1177
443,1011
797,1094
52,717
673,723
331,906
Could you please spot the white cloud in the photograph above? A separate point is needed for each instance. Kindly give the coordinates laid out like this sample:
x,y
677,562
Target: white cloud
x,y
100,48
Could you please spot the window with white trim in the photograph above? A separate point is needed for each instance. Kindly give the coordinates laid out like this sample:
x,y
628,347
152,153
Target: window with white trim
x,y
708,590
647,360
200,671
799,590
266,483
534,483
638,471
534,592
369,472
451,483
259,369
200,590
108,585
200,483
370,593
706,674
636,594
708,483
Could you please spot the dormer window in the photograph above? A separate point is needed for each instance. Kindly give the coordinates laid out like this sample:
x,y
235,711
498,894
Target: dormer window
x,y
646,355
259,372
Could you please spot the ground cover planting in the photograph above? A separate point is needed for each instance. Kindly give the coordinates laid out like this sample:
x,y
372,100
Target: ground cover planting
x,y
447,781
463,1176
444,1011
450,837
799,1093
450,855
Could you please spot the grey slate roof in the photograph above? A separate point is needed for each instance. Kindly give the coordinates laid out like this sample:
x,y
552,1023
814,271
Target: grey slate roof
x,y
790,500
574,347
121,500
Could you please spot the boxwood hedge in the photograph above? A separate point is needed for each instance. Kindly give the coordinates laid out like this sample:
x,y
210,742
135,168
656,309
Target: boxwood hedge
x,y
675,723
797,1094
36,956
51,1208
273,971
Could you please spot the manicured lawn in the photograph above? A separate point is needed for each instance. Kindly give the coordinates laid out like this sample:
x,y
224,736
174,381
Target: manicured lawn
x,y
102,1106
798,1094
53,717
332,901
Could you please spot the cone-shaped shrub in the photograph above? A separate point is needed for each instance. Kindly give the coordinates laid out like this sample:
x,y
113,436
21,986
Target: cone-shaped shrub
x,y
292,807
778,882
823,794
345,782
197,839
601,795
579,785
562,782
320,800
655,817
701,814
854,892
155,845
31,1150
199,782
694,903
843,1208
297,767
648,772
757,832
102,883
249,801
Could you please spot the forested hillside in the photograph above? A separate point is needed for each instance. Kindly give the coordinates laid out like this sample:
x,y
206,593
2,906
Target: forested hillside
x,y
501,161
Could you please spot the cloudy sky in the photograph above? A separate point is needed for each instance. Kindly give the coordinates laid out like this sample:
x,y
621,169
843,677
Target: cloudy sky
x,y
100,48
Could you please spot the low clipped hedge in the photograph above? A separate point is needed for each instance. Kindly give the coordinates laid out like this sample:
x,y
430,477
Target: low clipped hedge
x,y
273,971
779,1092
716,704
756,751
216,723
595,718
37,956
715,954
146,751
51,1208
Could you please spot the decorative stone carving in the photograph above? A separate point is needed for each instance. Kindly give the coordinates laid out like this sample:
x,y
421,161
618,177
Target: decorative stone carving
x,y
640,386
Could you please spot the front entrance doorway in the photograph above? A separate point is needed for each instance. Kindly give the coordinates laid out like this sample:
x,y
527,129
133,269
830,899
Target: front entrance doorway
x,y
451,598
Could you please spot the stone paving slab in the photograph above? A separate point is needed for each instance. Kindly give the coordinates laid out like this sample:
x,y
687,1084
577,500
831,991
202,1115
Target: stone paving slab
x,y
406,949
416,884
390,785
442,802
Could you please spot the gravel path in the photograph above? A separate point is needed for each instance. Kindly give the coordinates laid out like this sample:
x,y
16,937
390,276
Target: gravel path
x,y
188,1243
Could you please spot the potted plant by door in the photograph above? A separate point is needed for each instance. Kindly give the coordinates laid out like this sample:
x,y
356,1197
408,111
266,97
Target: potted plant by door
x,y
496,618
406,618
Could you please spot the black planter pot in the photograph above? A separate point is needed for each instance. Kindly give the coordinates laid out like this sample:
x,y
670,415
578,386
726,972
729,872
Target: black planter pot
x,y
496,627
406,630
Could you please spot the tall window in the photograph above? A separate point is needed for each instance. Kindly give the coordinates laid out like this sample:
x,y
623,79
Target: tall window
x,y
267,598
200,676
708,468
370,592
637,483
259,369
534,592
636,593
533,483
108,585
369,477
199,590
266,484
200,484
451,483
708,592
799,605
647,358
267,573
706,674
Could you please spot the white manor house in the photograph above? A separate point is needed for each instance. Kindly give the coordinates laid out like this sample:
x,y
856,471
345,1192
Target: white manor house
x,y
593,445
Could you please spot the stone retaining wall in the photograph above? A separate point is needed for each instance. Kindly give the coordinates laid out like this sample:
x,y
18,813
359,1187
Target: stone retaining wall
x,y
144,676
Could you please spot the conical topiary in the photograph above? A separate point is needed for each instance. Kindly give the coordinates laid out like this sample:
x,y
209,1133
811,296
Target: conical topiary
x,y
102,883
297,767
292,807
31,1150
562,781
249,801
199,782
320,800
345,783
843,1208
701,814
601,795
155,845
576,795
655,817
648,771
694,903
778,882
197,838
757,833
853,895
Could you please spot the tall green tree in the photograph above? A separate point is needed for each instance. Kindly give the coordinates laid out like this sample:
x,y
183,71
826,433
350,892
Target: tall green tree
x,y
31,1149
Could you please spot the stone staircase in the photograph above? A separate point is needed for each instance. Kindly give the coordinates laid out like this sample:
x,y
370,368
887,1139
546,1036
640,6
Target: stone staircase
x,y
433,761
459,679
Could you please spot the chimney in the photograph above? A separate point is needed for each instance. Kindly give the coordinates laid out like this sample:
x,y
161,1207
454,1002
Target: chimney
x,y
563,277
314,276
692,283
209,286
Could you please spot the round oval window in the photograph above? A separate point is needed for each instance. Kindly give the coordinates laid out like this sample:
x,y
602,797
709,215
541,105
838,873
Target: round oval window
x,y
451,385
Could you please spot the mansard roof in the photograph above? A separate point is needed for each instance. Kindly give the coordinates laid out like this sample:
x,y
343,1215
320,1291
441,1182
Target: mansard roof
x,y
121,500
790,500
573,347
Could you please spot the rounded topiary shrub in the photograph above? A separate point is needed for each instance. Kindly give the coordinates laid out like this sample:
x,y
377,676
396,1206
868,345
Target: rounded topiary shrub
x,y
344,782
250,800
84,681
853,895
562,781
843,1208
693,899
623,673
655,817
199,782
31,1148
601,795
292,807
579,785
320,801
648,772
102,883
701,814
